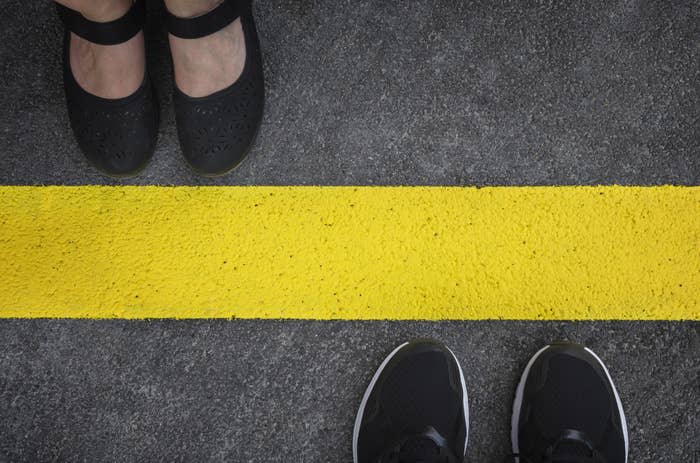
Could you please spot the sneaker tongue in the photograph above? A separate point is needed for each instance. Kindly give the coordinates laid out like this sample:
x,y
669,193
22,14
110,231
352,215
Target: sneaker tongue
x,y
572,452
427,446
573,448
420,449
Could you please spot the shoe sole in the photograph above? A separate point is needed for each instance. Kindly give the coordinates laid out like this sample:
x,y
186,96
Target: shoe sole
x,y
517,404
368,391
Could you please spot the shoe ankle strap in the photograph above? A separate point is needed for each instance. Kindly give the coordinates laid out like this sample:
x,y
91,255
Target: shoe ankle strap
x,y
208,23
108,33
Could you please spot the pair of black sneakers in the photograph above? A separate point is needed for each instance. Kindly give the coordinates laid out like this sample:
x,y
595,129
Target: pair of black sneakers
x,y
416,410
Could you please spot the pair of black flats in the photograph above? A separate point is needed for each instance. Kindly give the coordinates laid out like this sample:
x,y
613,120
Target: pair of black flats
x,y
118,136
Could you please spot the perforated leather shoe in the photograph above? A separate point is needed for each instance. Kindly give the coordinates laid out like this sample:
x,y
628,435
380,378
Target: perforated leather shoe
x,y
216,131
118,136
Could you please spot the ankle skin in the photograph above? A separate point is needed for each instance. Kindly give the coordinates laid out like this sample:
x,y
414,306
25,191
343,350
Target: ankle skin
x,y
190,8
99,10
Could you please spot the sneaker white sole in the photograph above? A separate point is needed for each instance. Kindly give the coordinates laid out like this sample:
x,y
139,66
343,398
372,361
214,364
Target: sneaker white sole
x,y
365,398
518,403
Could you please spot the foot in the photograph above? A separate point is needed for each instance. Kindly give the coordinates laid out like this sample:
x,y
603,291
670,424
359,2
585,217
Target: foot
x,y
108,71
208,64
415,408
567,409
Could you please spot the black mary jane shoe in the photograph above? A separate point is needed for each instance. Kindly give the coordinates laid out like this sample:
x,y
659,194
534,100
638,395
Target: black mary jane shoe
x,y
216,131
118,136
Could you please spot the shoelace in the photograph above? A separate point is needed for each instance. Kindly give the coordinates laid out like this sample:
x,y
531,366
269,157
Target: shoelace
x,y
428,447
562,458
557,453
403,459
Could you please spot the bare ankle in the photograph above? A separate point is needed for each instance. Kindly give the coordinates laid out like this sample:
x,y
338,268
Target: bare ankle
x,y
100,10
190,8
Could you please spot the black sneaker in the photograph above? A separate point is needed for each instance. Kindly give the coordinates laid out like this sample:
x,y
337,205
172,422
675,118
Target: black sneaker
x,y
415,408
567,410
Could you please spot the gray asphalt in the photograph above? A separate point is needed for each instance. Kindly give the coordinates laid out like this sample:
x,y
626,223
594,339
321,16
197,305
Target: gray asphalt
x,y
359,92
273,391
419,92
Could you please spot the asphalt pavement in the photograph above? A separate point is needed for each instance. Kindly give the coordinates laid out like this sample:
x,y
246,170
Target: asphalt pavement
x,y
362,93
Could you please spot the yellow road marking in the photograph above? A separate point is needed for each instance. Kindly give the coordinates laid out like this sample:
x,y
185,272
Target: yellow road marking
x,y
350,252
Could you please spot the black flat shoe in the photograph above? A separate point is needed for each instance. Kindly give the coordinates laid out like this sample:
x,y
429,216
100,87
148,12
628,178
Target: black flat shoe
x,y
117,136
216,131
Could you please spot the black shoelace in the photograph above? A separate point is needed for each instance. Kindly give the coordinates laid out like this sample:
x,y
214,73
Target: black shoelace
x,y
559,458
434,459
428,447
572,447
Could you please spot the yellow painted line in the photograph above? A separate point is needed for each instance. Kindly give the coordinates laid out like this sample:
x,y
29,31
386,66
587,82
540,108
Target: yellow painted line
x,y
350,253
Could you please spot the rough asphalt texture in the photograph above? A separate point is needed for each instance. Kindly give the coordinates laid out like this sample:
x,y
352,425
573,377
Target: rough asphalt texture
x,y
360,92
411,92
287,391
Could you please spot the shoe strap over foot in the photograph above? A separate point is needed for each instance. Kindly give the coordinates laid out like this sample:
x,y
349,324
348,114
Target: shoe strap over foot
x,y
107,33
213,21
